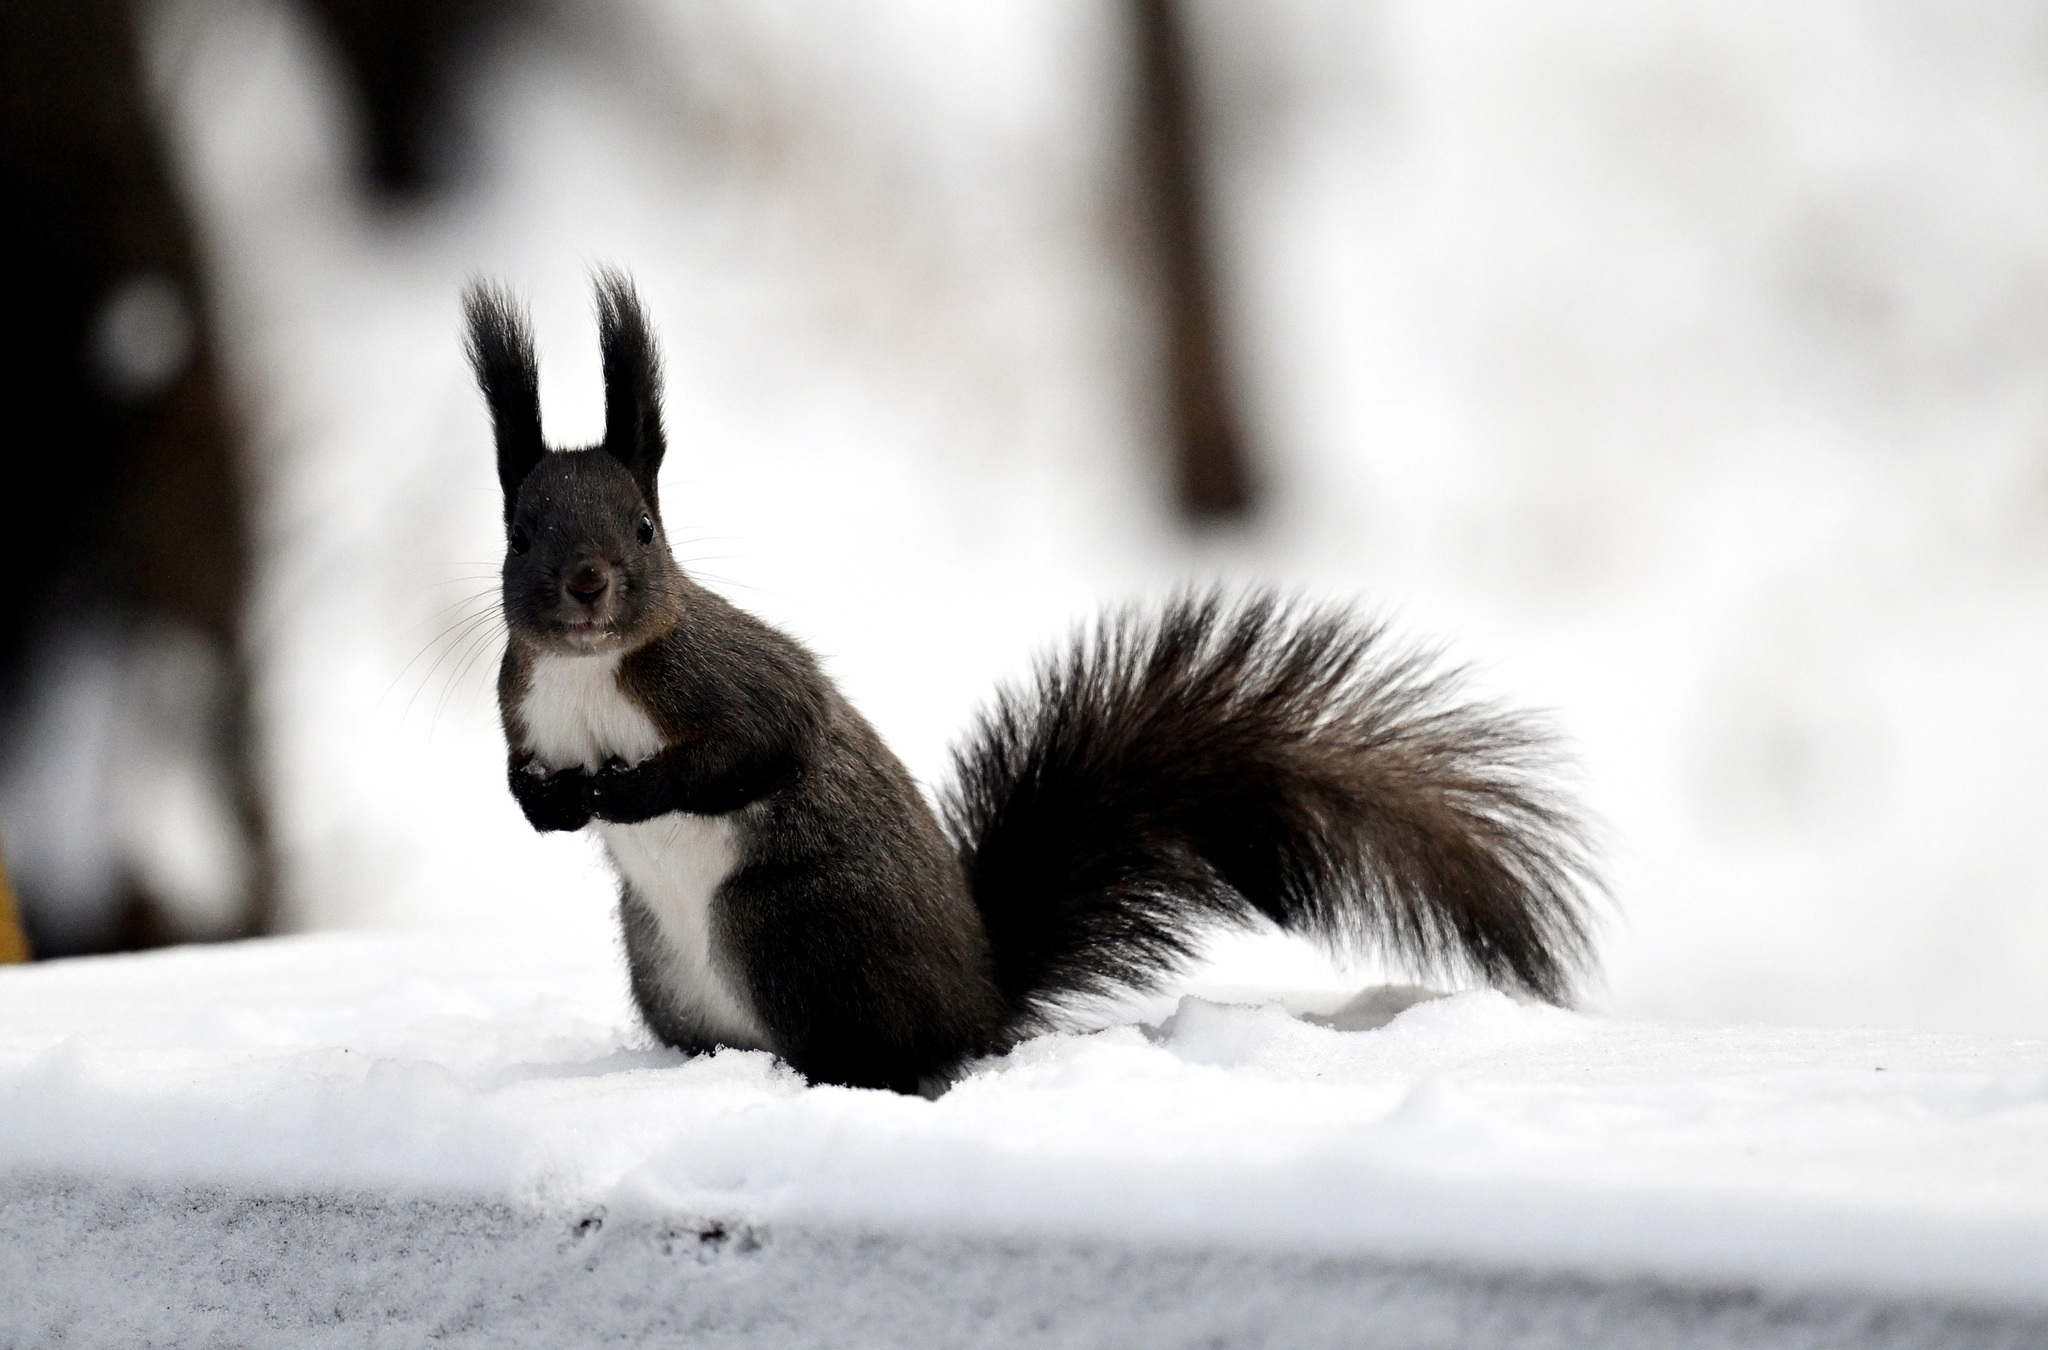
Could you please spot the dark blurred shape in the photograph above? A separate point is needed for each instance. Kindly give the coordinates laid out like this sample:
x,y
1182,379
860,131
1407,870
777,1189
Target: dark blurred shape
x,y
408,60
1212,476
126,772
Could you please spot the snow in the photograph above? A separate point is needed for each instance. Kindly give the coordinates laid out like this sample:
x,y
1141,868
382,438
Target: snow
x,y
501,1277
1464,1130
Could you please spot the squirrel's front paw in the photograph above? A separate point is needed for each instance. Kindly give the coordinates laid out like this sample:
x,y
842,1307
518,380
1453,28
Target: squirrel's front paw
x,y
625,796
604,792
551,801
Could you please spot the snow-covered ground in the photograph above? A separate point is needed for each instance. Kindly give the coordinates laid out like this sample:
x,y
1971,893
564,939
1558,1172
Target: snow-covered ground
x,y
386,1077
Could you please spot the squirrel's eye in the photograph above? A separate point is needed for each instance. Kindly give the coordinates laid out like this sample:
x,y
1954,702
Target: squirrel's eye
x,y
646,530
519,542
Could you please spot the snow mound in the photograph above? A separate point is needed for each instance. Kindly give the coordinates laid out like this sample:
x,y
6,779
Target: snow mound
x,y
1466,1128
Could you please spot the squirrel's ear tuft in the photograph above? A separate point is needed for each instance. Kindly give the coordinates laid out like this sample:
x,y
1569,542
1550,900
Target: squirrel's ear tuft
x,y
632,383
501,353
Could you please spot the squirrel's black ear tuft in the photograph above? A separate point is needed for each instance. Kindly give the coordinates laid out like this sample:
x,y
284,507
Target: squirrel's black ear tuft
x,y
501,353
632,383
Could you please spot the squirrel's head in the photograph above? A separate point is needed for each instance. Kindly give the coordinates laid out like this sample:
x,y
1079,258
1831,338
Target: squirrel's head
x,y
587,565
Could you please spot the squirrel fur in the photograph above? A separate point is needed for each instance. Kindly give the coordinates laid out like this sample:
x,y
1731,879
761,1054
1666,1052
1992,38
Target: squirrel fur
x,y
785,886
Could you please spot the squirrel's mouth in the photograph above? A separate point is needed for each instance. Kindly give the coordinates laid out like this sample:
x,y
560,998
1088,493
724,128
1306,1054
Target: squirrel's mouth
x,y
589,635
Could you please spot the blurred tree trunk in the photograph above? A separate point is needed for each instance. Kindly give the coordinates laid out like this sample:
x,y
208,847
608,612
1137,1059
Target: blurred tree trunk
x,y
406,60
1211,474
129,513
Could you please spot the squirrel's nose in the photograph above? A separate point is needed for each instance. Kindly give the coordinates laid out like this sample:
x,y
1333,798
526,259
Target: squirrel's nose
x,y
590,581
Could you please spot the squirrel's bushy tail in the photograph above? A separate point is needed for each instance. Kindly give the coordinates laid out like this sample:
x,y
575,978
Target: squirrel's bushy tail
x,y
1230,758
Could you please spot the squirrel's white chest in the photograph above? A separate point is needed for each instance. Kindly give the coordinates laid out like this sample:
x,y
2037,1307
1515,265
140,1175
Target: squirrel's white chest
x,y
576,716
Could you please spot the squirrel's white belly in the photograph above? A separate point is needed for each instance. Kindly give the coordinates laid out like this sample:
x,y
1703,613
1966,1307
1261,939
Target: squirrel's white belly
x,y
675,864
576,717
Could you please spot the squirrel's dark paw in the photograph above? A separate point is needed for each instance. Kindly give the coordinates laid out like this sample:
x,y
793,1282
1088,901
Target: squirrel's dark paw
x,y
626,796
605,793
551,801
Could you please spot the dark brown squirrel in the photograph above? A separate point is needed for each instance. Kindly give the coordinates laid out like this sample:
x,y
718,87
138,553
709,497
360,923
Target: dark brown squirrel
x,y
784,885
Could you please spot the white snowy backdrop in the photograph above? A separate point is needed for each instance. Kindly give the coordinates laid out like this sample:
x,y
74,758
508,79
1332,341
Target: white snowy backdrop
x,y
1686,366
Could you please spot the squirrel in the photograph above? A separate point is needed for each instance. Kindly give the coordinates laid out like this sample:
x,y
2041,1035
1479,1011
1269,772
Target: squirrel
x,y
785,886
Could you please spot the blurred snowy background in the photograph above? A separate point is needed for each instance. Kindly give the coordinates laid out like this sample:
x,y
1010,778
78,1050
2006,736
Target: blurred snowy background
x,y
1685,367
